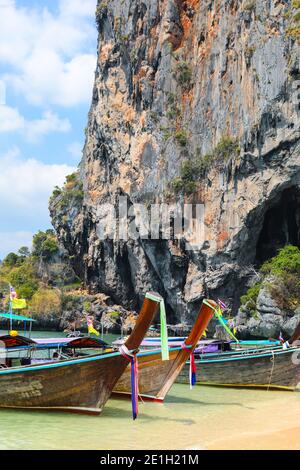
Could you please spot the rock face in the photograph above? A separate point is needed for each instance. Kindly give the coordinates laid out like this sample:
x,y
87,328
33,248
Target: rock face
x,y
173,79
100,308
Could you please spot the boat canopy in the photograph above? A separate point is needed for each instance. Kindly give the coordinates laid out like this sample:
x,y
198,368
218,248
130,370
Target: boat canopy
x,y
52,343
15,317
81,342
16,341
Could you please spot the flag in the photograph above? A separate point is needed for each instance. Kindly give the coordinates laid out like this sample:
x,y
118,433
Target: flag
x,y
91,329
281,337
12,293
222,304
18,304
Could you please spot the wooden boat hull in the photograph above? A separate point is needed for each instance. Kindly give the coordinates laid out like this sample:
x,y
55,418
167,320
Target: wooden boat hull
x,y
265,369
156,376
153,374
81,385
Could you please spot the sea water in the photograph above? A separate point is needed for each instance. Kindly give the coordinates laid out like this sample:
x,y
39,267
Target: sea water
x,y
202,418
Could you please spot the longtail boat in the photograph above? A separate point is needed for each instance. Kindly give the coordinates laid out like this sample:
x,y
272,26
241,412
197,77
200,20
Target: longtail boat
x,y
156,376
81,385
276,367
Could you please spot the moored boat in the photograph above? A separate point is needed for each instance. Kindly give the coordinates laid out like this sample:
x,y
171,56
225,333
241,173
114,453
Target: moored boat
x,y
156,376
81,384
273,368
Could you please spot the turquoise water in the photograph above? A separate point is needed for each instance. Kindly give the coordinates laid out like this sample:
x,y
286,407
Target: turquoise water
x,y
202,418
54,334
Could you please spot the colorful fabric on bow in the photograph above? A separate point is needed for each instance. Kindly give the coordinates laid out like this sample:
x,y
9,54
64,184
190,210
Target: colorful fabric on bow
x,y
133,379
218,314
163,326
192,368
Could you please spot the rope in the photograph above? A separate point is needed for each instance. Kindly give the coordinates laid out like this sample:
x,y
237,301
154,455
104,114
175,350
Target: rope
x,y
272,369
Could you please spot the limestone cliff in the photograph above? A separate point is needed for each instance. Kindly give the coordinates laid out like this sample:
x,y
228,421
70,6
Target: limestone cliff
x,y
214,83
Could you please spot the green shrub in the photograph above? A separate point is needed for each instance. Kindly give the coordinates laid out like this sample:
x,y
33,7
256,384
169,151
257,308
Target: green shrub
x,y
183,75
71,193
250,5
250,297
24,280
44,244
70,301
293,15
26,291
294,32
285,289
114,315
45,302
226,148
181,137
87,306
287,261
167,134
56,192
296,17
193,169
11,260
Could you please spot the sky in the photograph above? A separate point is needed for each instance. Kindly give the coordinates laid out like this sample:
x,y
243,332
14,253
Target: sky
x,y
47,64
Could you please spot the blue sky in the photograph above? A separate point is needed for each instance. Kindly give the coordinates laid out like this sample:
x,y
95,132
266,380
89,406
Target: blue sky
x,y
47,63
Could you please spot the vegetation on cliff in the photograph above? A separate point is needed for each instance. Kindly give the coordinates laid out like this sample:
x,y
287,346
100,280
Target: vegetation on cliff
x,y
193,169
70,194
293,16
281,276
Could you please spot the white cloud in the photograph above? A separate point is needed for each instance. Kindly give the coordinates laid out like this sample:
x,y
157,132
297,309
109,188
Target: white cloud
x,y
11,120
47,79
32,182
50,122
77,7
52,55
25,188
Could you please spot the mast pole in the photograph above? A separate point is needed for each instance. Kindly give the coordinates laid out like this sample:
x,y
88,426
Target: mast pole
x,y
10,307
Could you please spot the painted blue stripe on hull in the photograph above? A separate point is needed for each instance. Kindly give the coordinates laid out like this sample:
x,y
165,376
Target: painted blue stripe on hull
x,y
248,356
72,362
54,365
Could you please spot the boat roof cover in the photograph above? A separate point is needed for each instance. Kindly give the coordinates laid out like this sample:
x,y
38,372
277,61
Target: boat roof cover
x,y
13,316
16,341
80,342
85,342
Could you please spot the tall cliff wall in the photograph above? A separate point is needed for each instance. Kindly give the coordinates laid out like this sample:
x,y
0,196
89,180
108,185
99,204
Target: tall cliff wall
x,y
177,80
